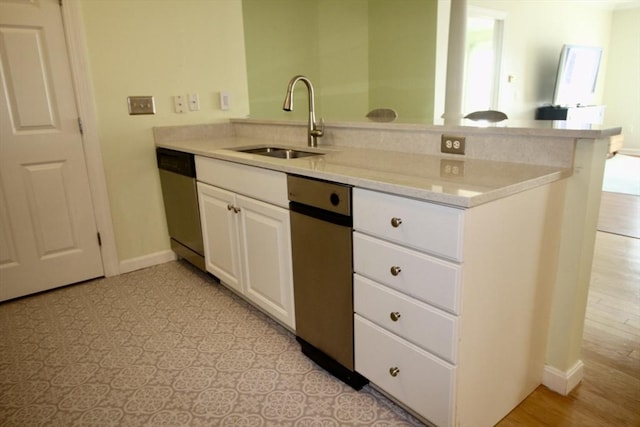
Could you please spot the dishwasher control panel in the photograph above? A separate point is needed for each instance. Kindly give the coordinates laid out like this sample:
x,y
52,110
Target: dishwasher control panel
x,y
326,195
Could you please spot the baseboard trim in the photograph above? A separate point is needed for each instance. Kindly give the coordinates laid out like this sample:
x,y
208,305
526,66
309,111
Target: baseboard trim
x,y
563,382
138,263
630,152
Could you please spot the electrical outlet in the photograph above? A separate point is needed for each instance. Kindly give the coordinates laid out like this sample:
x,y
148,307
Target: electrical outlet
x,y
451,168
452,144
141,105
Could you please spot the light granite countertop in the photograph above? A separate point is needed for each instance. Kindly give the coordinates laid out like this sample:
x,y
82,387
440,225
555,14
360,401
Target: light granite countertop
x,y
447,180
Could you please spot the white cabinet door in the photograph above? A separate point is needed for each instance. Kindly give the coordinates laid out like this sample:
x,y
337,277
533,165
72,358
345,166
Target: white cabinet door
x,y
265,244
220,234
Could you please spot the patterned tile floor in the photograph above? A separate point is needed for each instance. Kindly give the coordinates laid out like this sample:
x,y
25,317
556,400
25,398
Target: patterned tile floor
x,y
165,346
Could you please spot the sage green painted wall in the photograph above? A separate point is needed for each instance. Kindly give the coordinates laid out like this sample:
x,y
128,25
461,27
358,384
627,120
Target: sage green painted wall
x,y
278,45
343,58
324,40
181,47
402,51
356,57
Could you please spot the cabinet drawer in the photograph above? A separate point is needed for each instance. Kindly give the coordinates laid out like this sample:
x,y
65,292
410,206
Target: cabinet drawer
x,y
262,184
426,278
424,383
425,226
417,322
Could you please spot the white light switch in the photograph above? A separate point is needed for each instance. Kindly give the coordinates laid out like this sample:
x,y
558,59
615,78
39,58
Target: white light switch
x,y
225,100
194,102
179,104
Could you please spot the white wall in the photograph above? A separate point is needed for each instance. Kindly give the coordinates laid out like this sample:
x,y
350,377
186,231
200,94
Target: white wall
x,y
534,33
622,85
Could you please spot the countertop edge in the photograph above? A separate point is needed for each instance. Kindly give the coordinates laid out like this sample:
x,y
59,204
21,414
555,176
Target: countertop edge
x,y
543,128
226,153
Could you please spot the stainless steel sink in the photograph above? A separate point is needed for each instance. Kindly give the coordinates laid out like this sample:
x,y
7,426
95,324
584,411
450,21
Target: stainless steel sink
x,y
279,152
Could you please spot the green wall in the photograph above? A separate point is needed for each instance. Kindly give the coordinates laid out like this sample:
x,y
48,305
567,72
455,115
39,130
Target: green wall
x,y
402,51
278,46
160,48
355,56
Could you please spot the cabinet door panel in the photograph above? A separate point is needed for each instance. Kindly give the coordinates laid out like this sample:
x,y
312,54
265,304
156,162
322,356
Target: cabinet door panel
x,y
266,249
220,234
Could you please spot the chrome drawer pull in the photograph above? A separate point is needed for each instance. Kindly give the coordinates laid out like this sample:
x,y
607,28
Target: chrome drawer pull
x,y
395,270
395,222
394,371
395,316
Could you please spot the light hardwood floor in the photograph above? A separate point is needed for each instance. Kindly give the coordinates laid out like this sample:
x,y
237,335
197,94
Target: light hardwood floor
x,y
609,394
620,214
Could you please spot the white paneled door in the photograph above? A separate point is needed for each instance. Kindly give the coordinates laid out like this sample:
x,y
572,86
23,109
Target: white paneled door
x,y
48,235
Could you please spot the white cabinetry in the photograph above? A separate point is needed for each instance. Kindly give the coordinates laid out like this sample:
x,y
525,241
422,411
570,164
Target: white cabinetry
x,y
247,240
452,306
405,341
220,231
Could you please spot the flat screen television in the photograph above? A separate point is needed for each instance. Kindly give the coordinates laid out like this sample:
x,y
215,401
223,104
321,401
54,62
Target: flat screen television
x,y
577,75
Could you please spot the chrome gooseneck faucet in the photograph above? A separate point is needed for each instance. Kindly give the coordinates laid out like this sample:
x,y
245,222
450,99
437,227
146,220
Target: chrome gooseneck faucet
x,y
314,132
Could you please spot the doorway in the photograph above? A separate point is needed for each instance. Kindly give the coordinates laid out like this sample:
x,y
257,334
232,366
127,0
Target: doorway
x,y
483,58
49,231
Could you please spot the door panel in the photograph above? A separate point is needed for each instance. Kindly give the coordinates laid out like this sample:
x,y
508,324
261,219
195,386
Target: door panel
x,y
8,256
29,97
265,244
49,207
46,213
220,234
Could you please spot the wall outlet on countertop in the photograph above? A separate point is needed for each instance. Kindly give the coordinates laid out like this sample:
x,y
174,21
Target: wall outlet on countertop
x,y
451,168
452,144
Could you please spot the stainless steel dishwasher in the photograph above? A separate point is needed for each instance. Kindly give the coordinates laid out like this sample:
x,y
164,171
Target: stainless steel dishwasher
x,y
178,180
321,243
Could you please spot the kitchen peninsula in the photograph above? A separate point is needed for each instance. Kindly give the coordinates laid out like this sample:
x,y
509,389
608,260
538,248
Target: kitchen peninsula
x,y
521,204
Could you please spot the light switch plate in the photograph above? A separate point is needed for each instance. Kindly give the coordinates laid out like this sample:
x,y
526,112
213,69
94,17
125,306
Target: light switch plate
x,y
194,102
141,105
225,101
180,104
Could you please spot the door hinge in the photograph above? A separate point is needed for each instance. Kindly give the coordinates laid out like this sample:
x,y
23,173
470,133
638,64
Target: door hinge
x,y
80,126
99,239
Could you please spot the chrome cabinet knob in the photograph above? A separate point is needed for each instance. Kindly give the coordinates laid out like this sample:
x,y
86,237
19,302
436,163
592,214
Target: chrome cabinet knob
x,y
236,210
395,222
395,316
395,270
394,371
229,207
